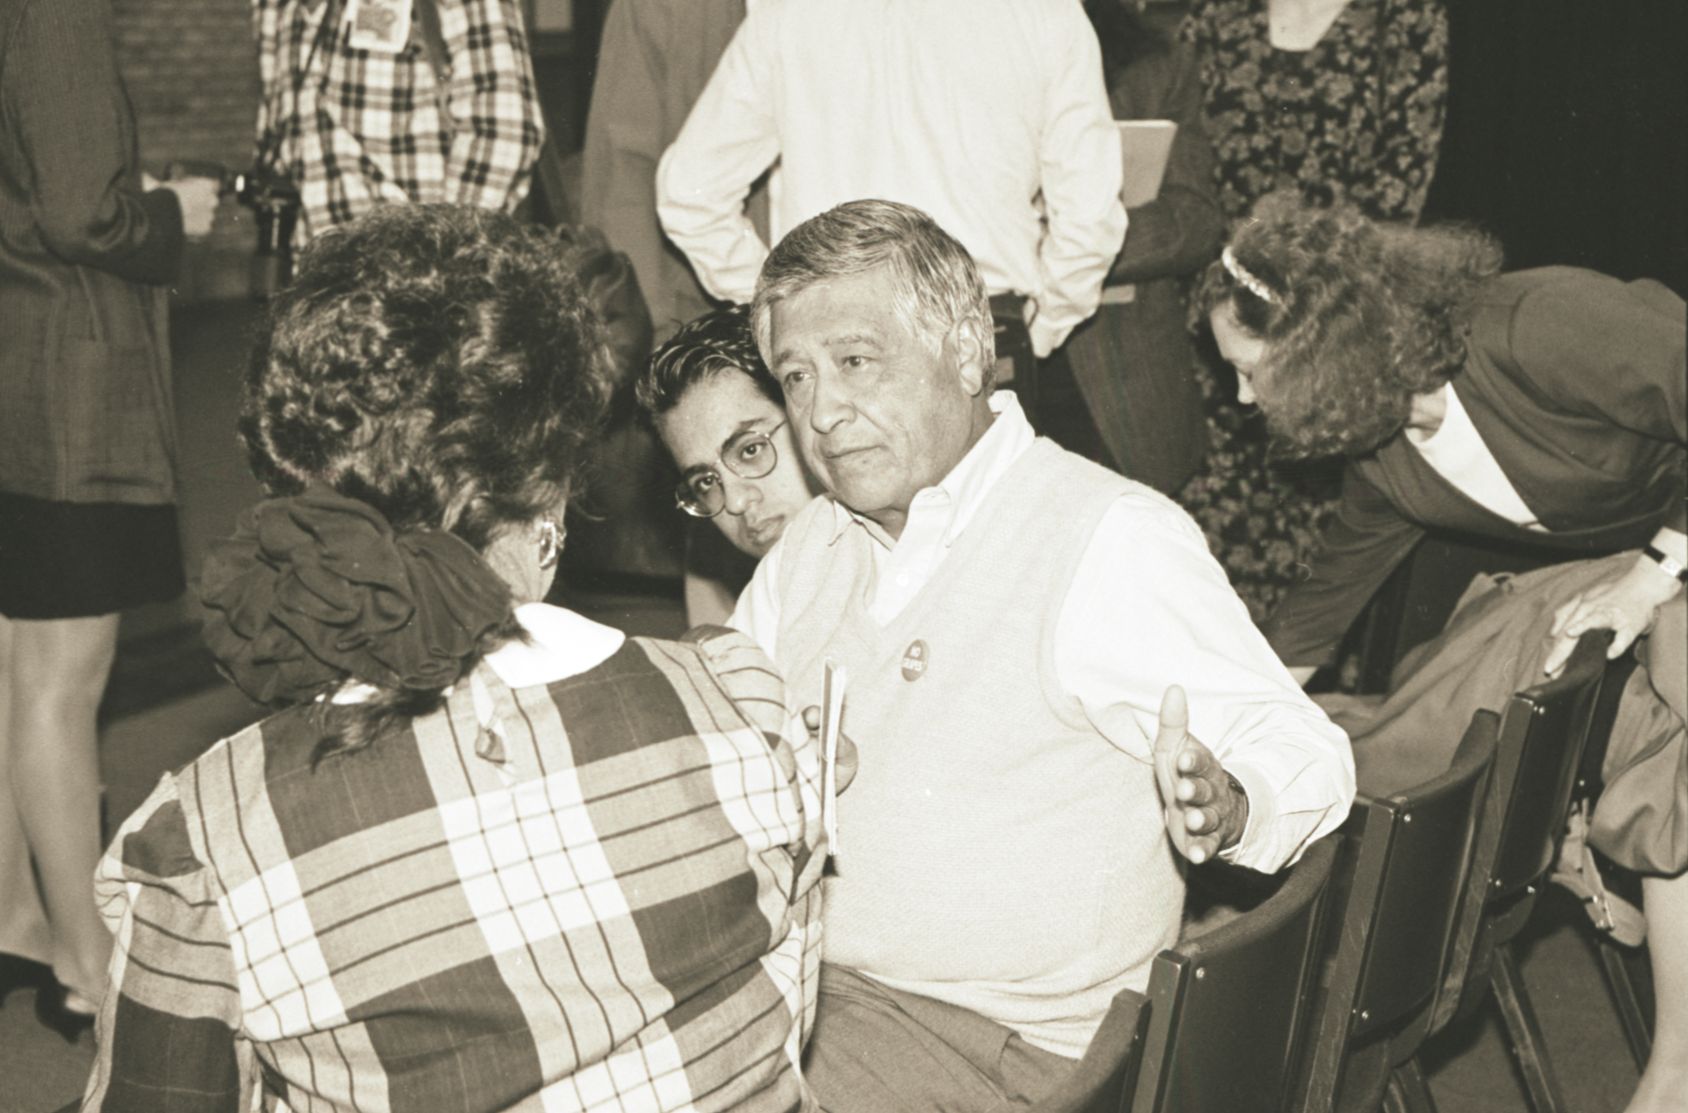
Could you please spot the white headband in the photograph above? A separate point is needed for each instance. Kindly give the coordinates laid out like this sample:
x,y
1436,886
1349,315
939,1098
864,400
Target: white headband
x,y
1243,275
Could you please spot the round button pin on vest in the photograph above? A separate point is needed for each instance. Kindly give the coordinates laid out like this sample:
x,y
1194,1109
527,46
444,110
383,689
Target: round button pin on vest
x,y
914,660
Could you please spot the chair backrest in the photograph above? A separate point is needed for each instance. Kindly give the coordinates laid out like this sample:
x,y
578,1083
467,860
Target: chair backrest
x,y
1103,1080
1227,1009
1591,777
1404,869
1542,732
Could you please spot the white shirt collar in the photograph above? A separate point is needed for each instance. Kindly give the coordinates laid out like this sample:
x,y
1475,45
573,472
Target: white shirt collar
x,y
560,644
1455,449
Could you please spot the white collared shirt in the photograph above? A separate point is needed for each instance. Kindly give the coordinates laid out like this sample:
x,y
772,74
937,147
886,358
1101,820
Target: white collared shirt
x,y
1458,453
966,109
1148,607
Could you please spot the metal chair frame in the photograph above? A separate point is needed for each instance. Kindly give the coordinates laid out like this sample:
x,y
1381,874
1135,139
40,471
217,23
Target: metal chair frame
x,y
1615,958
1543,731
1404,869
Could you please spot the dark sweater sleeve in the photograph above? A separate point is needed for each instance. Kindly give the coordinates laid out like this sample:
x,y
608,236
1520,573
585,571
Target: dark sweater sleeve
x,y
1612,350
1362,545
64,98
1181,230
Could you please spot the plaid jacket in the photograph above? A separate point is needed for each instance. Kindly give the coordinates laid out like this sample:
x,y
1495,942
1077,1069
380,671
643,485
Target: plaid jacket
x,y
595,894
353,128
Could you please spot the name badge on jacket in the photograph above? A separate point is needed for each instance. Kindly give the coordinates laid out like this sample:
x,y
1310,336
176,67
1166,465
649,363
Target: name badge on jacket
x,y
380,25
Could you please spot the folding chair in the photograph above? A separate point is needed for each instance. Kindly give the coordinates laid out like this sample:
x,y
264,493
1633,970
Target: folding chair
x,y
1615,958
1404,864
1103,1079
1221,1027
1542,733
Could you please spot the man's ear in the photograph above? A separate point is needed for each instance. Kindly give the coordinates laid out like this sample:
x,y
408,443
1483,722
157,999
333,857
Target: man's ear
x,y
970,357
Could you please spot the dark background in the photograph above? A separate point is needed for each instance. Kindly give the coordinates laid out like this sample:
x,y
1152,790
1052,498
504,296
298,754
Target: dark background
x,y
1567,132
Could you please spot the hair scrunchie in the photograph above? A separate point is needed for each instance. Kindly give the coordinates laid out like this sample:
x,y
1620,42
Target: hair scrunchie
x,y
317,587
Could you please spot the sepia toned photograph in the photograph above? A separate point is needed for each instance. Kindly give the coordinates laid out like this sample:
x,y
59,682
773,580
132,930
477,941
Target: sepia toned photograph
x,y
843,556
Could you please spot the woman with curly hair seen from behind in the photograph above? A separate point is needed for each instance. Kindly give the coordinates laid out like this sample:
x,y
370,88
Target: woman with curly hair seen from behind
x,y
1541,407
461,864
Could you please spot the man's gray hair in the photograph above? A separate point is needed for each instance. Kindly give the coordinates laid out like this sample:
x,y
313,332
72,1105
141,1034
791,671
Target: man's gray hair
x,y
935,283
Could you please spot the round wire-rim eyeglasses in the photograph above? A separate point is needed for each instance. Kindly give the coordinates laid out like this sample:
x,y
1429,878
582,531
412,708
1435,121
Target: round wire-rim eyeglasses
x,y
750,455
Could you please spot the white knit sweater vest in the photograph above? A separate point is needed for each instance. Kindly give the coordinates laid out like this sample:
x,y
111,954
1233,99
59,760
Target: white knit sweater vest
x,y
998,852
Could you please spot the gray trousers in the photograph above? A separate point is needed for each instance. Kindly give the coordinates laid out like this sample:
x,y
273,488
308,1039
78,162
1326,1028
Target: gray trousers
x,y
879,1050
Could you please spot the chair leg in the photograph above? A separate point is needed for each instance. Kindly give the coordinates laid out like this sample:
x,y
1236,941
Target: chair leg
x,y
1524,1032
1408,1091
1622,988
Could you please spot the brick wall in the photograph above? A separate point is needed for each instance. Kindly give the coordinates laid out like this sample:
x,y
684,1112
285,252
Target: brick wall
x,y
192,74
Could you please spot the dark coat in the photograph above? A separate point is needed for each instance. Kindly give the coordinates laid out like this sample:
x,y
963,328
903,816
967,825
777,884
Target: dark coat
x,y
1578,385
85,406
1133,362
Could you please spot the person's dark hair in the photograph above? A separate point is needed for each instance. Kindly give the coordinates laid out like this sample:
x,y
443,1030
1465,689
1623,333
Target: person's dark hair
x,y
717,342
1124,35
1357,317
438,363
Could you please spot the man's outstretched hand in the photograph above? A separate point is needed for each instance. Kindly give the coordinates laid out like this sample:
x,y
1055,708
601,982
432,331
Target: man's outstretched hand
x,y
1204,814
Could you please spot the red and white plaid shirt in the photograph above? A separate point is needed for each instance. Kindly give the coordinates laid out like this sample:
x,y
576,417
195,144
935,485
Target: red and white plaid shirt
x,y
593,893
353,128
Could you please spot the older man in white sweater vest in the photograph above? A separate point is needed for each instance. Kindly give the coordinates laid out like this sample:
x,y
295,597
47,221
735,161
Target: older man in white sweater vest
x,y
1054,690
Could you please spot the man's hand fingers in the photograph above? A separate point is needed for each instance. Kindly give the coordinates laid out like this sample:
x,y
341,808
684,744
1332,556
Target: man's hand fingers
x,y
1191,759
1174,720
1201,849
1186,774
1169,739
1195,791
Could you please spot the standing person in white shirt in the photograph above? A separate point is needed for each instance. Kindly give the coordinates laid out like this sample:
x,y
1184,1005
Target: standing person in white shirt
x,y
991,115
1055,692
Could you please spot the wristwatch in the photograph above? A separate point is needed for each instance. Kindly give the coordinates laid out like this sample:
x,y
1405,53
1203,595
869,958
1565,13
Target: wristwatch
x,y
1237,787
1670,564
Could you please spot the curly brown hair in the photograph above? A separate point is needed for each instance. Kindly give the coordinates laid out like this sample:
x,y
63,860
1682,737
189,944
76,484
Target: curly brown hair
x,y
1358,317
440,364
437,362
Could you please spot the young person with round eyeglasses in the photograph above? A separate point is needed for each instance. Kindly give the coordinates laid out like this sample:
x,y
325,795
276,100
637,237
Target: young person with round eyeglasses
x,y
722,417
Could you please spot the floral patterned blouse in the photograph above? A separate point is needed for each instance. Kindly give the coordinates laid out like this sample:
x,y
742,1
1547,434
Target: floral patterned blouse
x,y
1357,118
